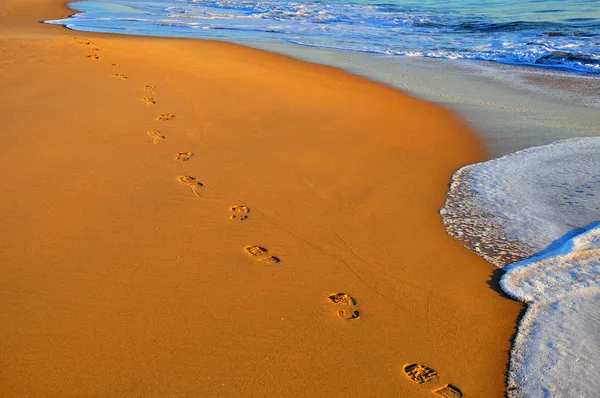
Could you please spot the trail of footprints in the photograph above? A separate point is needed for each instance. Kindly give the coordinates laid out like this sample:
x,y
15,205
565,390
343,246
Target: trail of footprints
x,y
345,304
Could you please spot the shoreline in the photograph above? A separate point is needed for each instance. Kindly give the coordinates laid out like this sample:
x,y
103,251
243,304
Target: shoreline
x,y
118,280
510,107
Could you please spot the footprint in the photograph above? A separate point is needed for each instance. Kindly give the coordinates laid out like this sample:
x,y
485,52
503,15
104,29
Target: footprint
x,y
421,374
86,42
96,49
165,116
148,101
183,156
239,212
120,76
262,254
93,56
346,300
192,183
156,135
150,87
448,391
115,65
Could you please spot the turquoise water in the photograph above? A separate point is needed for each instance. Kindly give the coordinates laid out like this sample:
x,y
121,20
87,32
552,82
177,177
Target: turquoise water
x,y
562,34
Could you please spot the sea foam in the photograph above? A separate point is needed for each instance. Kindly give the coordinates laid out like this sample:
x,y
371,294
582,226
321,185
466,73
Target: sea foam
x,y
541,206
557,349
510,208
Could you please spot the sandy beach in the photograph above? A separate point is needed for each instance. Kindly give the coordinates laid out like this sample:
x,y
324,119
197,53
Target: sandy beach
x,y
118,279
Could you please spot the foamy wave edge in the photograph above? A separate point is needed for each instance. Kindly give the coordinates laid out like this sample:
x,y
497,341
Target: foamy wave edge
x,y
538,209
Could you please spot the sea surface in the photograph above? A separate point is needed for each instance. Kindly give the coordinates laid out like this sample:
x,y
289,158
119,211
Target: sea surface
x,y
559,34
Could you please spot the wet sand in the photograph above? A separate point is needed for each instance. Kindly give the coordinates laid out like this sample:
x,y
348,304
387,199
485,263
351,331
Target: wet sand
x,y
118,279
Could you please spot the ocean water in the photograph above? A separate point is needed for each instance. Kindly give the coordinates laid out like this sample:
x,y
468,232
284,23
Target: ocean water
x,y
536,213
562,34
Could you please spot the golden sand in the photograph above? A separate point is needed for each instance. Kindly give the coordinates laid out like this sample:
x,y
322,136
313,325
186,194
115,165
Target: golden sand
x,y
114,281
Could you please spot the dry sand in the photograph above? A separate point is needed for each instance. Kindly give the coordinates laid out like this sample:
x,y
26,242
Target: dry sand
x,y
116,279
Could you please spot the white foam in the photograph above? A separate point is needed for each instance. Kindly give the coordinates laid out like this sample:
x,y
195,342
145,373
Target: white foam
x,y
557,349
510,208
541,206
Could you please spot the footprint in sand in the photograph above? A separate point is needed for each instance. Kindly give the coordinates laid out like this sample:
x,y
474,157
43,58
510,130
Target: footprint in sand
x,y
150,87
192,183
156,135
148,101
165,116
183,156
421,374
115,65
93,56
261,254
95,49
120,76
348,303
86,42
239,212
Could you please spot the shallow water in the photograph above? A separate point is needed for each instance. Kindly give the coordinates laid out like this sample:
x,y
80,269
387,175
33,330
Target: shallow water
x,y
548,34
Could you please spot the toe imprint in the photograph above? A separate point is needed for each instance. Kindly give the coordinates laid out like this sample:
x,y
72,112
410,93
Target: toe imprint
x,y
157,137
183,156
165,116
448,391
419,374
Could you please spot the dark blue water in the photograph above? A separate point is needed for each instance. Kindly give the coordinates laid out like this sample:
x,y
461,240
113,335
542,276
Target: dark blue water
x,y
563,34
